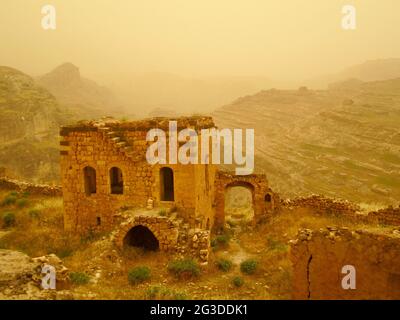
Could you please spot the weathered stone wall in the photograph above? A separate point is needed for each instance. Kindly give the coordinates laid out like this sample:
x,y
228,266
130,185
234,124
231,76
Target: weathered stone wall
x,y
256,183
323,205
31,188
388,216
319,256
109,143
327,206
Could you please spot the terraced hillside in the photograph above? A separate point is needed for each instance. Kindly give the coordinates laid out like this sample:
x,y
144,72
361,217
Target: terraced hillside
x,y
342,142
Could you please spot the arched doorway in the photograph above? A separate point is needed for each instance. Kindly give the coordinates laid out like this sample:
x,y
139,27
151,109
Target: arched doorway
x,y
239,204
167,184
140,236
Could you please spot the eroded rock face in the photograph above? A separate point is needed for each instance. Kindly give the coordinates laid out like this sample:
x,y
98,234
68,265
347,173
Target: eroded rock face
x,y
21,276
14,266
318,257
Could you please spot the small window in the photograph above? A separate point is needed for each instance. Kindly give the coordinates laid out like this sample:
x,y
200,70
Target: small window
x,y
267,197
116,181
167,184
89,175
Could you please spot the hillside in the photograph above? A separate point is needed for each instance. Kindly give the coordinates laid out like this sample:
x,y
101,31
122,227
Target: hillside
x,y
29,124
371,70
342,142
79,94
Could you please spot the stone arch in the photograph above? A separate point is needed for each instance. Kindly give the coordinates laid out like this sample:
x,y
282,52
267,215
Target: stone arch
x,y
89,180
239,184
116,180
258,185
162,228
141,236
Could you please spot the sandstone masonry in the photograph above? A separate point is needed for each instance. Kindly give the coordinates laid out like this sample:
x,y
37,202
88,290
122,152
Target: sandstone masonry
x,y
104,171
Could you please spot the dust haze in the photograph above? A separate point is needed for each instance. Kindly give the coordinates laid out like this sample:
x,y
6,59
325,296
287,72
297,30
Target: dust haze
x,y
191,46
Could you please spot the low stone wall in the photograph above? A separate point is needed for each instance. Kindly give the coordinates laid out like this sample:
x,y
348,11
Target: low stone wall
x,y
327,206
31,188
319,256
323,205
388,216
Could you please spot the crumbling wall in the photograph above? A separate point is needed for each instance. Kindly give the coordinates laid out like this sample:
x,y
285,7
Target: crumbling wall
x,y
323,205
388,216
319,256
326,206
31,188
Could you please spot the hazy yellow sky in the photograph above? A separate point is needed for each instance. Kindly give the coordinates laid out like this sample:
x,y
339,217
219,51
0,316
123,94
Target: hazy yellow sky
x,y
279,39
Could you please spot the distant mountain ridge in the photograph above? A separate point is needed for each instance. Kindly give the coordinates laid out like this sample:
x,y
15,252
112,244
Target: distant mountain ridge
x,y
371,70
78,93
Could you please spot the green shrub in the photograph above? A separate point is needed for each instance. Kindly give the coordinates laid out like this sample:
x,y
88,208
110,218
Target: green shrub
x,y
184,268
237,281
223,239
248,266
13,194
79,278
25,194
21,203
220,240
10,199
34,213
162,212
138,275
9,219
224,264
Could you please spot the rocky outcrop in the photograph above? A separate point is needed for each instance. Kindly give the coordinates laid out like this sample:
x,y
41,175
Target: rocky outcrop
x,y
21,277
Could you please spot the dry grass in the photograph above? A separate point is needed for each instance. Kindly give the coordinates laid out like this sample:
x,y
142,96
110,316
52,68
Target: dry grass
x,y
39,230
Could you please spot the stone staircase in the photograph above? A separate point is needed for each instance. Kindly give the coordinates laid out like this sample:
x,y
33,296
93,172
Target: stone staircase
x,y
118,140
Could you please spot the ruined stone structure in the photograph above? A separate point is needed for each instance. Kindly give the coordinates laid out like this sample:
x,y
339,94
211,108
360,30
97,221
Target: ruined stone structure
x,y
319,256
326,206
104,171
31,188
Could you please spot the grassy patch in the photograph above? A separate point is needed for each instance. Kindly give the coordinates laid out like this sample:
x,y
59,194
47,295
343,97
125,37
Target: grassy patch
x,y
163,293
221,240
9,200
8,219
138,275
21,203
79,278
184,268
274,244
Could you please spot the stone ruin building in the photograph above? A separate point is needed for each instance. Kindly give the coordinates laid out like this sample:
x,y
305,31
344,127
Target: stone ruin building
x,y
108,185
